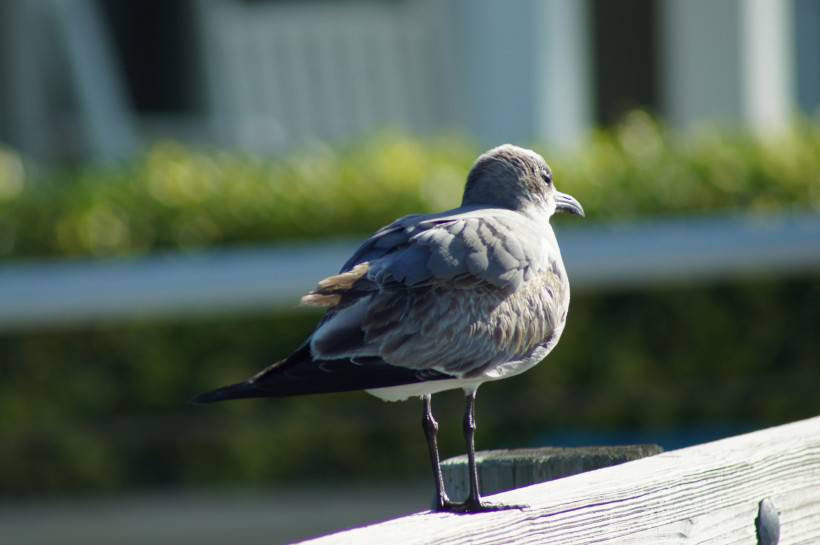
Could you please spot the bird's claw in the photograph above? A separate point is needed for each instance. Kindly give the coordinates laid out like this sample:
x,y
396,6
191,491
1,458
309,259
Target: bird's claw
x,y
472,506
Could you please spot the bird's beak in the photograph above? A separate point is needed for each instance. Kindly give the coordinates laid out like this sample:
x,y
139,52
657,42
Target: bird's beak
x,y
567,203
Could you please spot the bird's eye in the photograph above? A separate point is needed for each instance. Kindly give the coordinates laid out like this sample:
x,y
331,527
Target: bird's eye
x,y
546,175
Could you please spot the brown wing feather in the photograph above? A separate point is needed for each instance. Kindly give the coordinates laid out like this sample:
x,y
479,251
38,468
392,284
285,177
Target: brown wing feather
x,y
328,292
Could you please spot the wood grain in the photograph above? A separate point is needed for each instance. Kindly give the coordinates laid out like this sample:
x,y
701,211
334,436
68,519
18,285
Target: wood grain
x,y
707,494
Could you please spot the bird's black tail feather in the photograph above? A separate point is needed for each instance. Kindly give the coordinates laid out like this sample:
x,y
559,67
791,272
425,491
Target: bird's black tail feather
x,y
241,390
257,386
300,374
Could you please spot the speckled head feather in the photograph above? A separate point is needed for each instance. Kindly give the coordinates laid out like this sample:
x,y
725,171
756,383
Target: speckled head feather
x,y
509,177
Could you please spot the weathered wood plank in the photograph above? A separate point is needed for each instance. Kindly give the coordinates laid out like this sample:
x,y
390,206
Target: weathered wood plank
x,y
707,494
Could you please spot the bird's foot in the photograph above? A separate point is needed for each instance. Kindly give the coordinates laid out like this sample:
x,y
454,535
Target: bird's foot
x,y
443,504
472,506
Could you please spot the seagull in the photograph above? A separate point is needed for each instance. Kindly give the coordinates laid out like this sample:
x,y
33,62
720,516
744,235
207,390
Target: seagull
x,y
437,302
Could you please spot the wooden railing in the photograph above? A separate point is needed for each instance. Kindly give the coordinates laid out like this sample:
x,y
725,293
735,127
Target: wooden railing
x,y
761,487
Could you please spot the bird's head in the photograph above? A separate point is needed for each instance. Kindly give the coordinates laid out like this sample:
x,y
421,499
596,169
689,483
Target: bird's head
x,y
518,179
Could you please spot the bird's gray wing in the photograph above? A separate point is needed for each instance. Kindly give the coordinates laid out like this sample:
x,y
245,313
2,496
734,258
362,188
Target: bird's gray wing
x,y
497,246
386,240
453,292
398,234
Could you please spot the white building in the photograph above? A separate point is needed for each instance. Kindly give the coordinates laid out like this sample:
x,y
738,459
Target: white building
x,y
99,78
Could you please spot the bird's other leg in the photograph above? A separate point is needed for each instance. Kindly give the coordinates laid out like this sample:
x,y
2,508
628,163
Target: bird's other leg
x,y
474,499
474,503
430,426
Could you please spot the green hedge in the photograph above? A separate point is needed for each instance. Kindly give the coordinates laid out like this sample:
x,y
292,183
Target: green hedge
x,y
180,198
106,407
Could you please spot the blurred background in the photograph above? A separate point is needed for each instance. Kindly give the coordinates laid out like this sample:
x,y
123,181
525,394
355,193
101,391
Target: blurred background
x,y
174,174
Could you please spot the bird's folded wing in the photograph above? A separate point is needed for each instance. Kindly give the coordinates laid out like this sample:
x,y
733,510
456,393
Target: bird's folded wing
x,y
497,246
419,293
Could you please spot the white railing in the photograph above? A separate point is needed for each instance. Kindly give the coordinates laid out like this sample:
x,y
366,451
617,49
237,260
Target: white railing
x,y
611,256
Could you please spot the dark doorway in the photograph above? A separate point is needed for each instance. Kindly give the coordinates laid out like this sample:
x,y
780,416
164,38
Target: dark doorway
x,y
155,42
626,57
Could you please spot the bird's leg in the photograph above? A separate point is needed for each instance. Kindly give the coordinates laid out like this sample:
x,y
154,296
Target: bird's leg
x,y
474,499
474,503
430,430
442,502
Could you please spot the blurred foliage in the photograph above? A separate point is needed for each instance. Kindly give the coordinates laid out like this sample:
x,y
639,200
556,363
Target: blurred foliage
x,y
177,198
106,407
